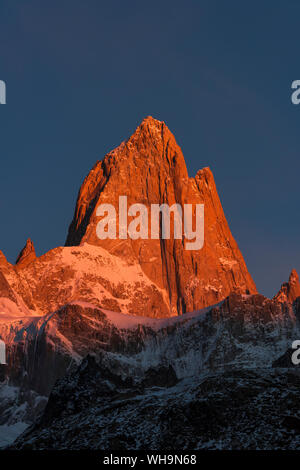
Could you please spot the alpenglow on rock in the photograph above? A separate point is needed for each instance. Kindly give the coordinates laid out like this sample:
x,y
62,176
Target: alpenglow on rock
x,y
290,291
149,168
27,255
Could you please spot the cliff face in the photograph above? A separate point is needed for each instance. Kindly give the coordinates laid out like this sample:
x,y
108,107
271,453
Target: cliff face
x,y
250,331
149,168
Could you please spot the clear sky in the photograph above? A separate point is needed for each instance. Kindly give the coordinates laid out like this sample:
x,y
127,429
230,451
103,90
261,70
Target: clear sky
x,y
81,75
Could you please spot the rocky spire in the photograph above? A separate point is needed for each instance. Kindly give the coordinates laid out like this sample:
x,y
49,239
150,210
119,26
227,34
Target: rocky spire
x,y
27,255
290,290
149,168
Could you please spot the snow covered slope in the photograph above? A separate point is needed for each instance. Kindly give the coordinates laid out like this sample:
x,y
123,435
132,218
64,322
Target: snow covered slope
x,y
86,273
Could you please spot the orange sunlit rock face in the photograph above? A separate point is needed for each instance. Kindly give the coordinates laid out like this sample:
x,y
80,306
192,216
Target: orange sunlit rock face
x,y
290,290
27,255
149,168
153,278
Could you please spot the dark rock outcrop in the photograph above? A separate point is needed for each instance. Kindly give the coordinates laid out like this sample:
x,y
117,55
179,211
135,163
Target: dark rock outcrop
x,y
231,410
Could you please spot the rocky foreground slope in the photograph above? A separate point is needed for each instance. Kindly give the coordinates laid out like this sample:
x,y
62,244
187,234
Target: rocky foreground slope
x,y
93,408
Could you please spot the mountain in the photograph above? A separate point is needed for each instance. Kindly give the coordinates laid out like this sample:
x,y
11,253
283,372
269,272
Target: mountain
x,y
156,278
115,333
149,168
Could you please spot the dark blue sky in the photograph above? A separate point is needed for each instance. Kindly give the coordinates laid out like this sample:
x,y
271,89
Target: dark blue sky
x,y
81,75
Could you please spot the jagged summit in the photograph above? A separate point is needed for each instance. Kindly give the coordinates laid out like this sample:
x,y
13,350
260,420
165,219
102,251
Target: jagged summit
x,y
27,254
152,136
151,121
149,168
290,290
294,277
